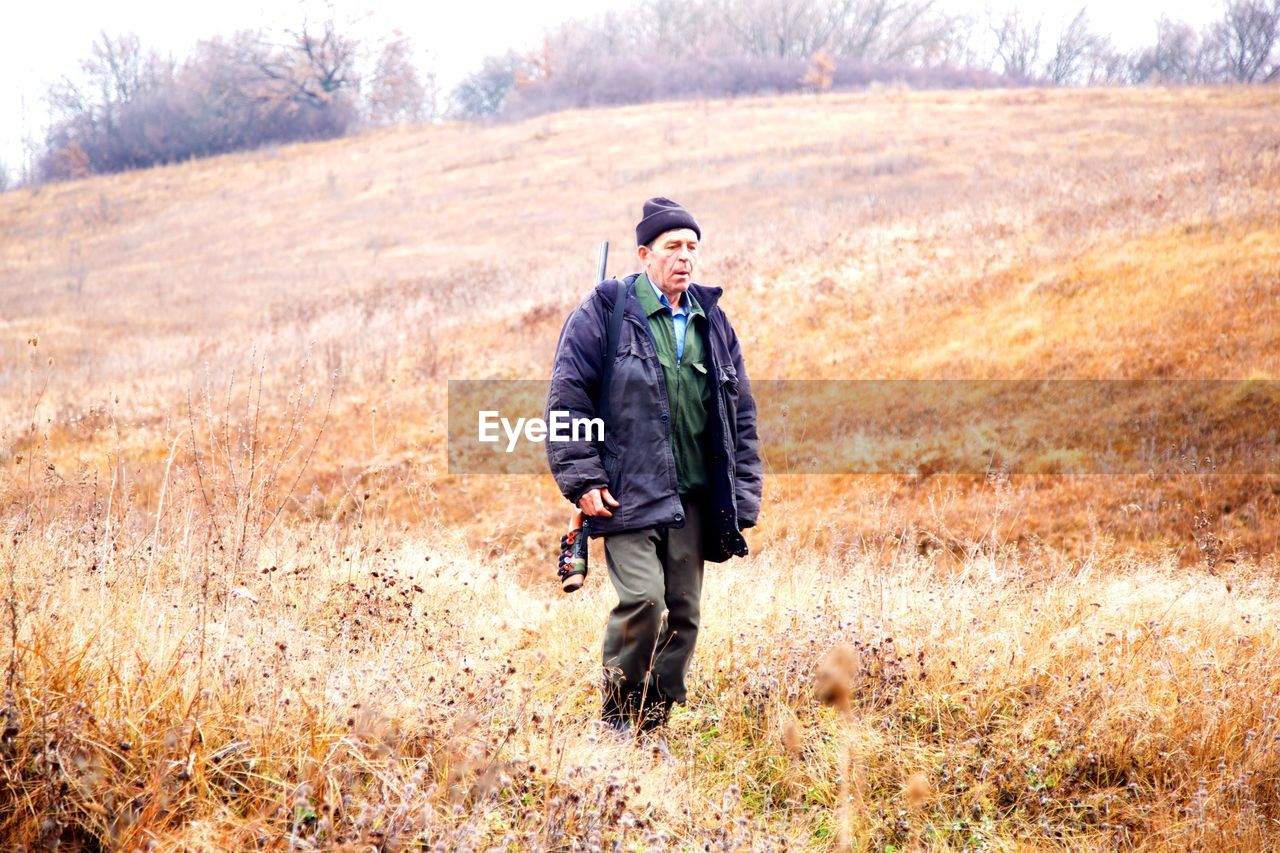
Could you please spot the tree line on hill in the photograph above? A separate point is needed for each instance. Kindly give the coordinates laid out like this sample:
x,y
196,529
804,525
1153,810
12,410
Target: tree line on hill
x,y
133,108
721,48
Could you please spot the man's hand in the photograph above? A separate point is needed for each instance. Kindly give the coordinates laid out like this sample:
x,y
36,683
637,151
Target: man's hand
x,y
594,502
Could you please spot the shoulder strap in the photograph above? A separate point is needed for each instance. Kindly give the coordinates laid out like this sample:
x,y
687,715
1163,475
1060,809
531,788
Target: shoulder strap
x,y
611,346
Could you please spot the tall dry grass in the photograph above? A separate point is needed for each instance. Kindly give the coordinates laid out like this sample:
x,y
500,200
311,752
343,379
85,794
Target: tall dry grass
x,y
401,689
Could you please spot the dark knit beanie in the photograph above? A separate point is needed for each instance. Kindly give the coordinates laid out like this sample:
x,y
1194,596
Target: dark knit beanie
x,y
662,215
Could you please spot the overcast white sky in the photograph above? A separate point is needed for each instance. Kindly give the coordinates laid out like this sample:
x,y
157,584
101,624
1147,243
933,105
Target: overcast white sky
x,y
42,41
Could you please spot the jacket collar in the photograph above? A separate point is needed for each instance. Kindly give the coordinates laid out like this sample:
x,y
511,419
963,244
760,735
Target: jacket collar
x,y
652,300
707,295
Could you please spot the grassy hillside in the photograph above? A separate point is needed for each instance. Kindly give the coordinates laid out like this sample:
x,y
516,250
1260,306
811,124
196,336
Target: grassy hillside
x,y
246,603
1115,234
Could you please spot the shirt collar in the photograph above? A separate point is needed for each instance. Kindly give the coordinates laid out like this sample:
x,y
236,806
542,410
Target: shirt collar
x,y
653,300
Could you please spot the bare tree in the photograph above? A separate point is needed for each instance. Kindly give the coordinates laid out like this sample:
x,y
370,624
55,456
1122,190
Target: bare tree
x,y
329,57
133,109
1016,50
312,67
871,30
1246,40
1082,55
397,91
893,30
97,111
116,66
674,28
1178,56
768,28
249,91
961,45
115,73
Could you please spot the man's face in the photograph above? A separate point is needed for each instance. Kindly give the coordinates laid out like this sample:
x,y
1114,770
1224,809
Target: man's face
x,y
671,261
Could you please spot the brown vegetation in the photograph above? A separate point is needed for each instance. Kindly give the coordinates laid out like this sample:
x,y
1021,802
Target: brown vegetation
x,y
1051,660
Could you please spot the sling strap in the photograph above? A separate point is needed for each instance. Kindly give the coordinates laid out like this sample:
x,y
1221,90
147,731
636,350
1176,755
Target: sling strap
x,y
620,294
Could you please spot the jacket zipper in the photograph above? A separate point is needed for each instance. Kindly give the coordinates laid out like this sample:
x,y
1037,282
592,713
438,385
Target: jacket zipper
x,y
672,403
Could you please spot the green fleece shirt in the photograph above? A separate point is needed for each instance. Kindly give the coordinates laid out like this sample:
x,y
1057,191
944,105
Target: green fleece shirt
x,y
688,391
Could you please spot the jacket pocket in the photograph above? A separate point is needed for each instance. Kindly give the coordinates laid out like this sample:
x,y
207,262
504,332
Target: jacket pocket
x,y
633,361
634,347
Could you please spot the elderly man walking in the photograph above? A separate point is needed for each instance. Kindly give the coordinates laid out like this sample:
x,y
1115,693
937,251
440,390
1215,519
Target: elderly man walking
x,y
678,476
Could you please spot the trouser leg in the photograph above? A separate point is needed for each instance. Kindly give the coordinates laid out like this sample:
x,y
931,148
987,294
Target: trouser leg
x,y
652,570
635,569
683,574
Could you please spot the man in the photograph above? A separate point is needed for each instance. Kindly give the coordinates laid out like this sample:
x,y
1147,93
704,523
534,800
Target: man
x,y
678,476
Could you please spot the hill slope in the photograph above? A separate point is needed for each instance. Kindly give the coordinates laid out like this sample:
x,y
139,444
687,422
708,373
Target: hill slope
x,y
1010,234
240,613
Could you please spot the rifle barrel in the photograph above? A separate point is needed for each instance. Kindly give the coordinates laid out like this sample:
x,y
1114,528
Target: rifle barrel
x,y
602,261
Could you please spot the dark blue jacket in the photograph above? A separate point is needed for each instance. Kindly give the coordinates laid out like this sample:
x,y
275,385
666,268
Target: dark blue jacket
x,y
637,464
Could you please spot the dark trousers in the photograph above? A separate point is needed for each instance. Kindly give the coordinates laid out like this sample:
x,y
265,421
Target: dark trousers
x,y
649,639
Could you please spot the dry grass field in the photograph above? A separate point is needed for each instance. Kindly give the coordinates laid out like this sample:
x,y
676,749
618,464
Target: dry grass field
x,y
247,606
